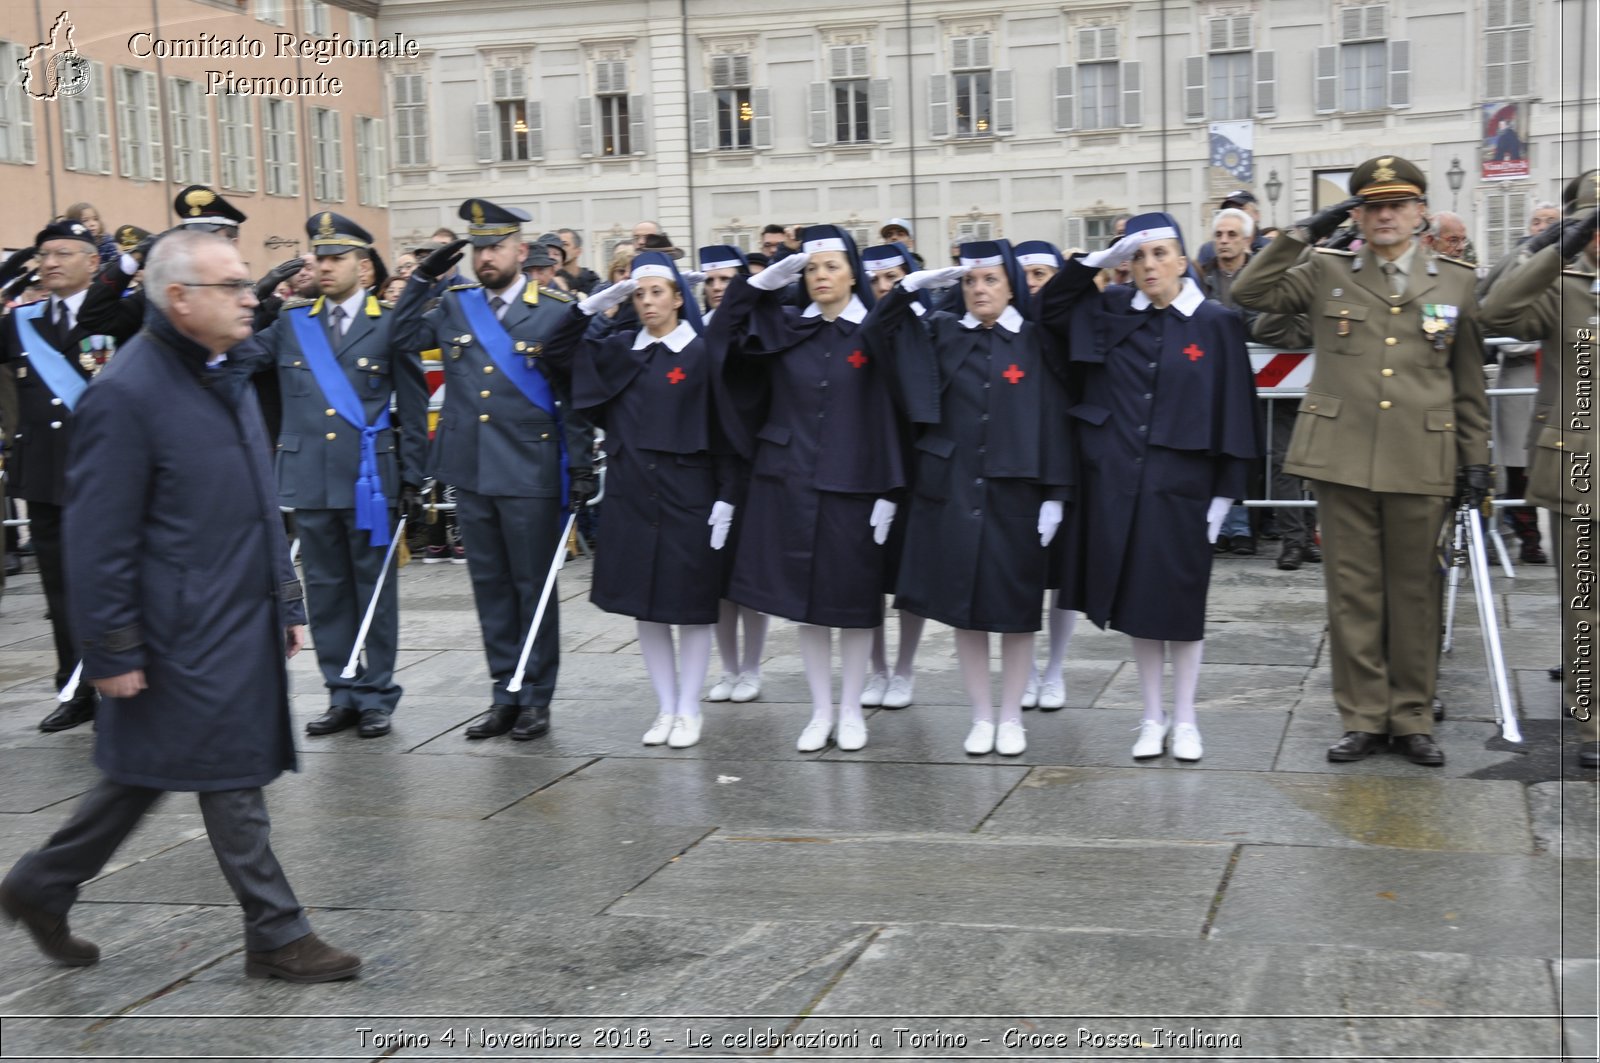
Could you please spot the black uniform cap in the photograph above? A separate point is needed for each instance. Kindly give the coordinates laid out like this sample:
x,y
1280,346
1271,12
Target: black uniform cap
x,y
129,237
199,207
65,230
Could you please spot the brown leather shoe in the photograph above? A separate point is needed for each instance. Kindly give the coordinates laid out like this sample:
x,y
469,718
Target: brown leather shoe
x,y
1356,745
1419,749
49,931
309,959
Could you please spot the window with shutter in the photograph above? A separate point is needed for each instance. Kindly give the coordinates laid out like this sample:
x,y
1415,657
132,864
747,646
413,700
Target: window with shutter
x,y
281,155
732,113
615,121
846,104
410,120
372,171
972,88
1508,49
16,110
1064,94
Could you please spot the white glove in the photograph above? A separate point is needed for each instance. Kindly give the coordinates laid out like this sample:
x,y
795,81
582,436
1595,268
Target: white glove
x,y
933,278
1049,521
882,517
1118,253
129,264
616,295
691,276
721,520
1214,516
780,273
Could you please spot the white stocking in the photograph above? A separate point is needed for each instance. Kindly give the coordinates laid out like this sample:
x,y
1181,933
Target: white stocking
x,y
728,635
1016,664
911,626
1148,655
855,646
972,650
816,654
755,639
694,648
1062,622
880,656
655,646
1185,678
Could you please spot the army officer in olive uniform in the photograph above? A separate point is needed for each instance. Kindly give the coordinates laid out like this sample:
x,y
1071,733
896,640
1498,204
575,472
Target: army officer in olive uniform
x,y
1554,297
1394,411
507,345
343,465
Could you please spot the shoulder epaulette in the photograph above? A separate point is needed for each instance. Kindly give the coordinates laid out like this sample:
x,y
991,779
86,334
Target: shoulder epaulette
x,y
295,304
556,293
1334,251
463,287
1458,262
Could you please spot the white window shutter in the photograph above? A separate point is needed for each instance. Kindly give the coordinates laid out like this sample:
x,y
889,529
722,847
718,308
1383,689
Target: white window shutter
x,y
338,156
1132,94
517,83
291,139
839,62
127,123
483,121
1065,115
1399,73
740,69
1495,14
502,83
1376,25
1241,33
1194,88
858,60
1351,24
879,97
1266,84
939,93
702,114
535,129
721,71
960,53
247,147
1521,12
1519,62
636,131
1075,236
761,104
819,125
1216,34
202,138
1326,73
1495,81
1005,103
102,118
981,52
586,123
152,101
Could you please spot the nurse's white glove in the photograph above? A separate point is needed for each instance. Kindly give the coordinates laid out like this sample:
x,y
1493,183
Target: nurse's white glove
x,y
1049,521
1215,515
1118,253
933,278
882,517
779,275
604,300
721,520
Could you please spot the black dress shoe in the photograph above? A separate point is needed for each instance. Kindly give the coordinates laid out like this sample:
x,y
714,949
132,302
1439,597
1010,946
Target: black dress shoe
x,y
337,718
532,722
1355,745
1438,709
497,721
1223,545
1532,555
1589,755
1291,557
1244,546
65,717
374,723
13,565
1313,554
1418,749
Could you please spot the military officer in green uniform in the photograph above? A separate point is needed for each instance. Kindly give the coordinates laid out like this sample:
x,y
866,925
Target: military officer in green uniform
x,y
1394,423
1553,296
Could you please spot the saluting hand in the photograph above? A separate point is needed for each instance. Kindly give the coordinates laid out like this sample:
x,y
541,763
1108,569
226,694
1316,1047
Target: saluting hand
x,y
781,273
1118,253
933,278
604,300
441,262
1324,221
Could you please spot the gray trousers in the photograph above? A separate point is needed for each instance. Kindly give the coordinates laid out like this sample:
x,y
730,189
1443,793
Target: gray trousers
x,y
1293,521
510,543
341,568
236,823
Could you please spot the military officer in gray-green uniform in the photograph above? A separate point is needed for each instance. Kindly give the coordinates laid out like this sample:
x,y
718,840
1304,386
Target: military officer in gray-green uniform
x,y
1553,296
504,443
345,463
1394,423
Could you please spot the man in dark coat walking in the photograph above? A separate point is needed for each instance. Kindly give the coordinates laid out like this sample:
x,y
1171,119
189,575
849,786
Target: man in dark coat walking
x,y
187,605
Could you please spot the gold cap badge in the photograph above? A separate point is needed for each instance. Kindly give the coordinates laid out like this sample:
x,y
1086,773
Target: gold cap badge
x,y
198,200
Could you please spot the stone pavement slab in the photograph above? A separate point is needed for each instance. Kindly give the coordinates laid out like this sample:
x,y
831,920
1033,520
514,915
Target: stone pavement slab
x,y
182,824
1469,746
1566,818
1270,688
31,779
940,879
1255,808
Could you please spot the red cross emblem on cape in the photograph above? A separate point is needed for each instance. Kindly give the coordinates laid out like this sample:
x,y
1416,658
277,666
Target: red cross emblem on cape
x,y
1194,352
1014,375
857,359
676,376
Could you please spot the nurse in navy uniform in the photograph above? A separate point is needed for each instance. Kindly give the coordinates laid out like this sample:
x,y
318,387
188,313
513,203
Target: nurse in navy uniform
x,y
994,472
824,435
1166,430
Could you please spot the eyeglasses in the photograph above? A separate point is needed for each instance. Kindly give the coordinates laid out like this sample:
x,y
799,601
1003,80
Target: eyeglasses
x,y
239,287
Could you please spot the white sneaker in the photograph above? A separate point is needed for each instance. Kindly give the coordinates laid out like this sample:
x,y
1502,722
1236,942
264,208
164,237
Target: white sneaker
x,y
980,740
898,696
1052,694
685,731
659,730
1186,742
1010,739
722,690
1152,739
814,737
872,693
747,687
850,735
1030,693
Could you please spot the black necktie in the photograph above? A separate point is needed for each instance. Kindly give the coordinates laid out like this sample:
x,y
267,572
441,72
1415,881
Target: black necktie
x,y
63,322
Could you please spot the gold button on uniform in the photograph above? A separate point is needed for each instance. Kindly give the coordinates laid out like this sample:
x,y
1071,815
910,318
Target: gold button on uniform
x,y
330,413
333,435
483,417
488,369
1394,310
1344,313
1385,404
1391,341
1388,372
484,394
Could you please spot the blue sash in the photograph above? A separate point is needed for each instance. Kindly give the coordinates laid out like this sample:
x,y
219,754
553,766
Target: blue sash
x,y
56,372
372,508
534,387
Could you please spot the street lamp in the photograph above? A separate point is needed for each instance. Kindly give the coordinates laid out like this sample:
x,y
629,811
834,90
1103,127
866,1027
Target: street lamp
x,y
1455,175
1274,190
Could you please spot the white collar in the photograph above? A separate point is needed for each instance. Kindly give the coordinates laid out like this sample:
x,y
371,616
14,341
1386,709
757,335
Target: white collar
x,y
705,318
352,305
1010,320
854,312
1188,301
676,340
74,302
512,293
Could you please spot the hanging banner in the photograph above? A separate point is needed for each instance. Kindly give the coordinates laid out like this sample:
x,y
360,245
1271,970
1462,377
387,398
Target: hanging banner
x,y
1505,140
1233,149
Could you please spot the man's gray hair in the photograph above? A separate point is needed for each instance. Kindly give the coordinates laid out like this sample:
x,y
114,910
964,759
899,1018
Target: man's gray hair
x,y
1543,204
1434,227
1247,224
171,261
